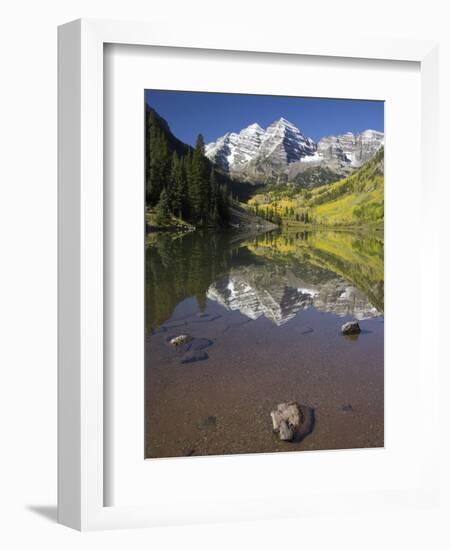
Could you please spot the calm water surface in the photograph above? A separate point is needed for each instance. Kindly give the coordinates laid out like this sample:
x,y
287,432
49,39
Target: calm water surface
x,y
265,312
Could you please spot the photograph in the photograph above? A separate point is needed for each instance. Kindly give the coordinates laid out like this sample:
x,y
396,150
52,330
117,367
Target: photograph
x,y
264,273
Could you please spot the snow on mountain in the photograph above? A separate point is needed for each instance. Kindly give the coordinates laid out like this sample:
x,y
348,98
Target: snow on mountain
x,y
258,154
233,151
255,151
286,141
354,149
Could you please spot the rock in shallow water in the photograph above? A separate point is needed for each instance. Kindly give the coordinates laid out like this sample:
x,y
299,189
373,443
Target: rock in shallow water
x,y
285,431
293,422
286,420
352,327
180,340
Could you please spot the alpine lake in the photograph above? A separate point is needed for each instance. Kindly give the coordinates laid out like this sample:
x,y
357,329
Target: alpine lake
x,y
265,313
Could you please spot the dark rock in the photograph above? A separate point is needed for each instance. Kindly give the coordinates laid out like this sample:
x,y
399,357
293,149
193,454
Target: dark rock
x,y
198,344
191,356
209,422
189,348
352,327
347,408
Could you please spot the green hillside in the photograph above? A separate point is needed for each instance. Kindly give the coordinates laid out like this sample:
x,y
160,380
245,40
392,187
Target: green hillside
x,y
358,199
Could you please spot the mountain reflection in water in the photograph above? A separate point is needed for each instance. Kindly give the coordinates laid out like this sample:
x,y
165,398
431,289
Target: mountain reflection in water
x,y
275,275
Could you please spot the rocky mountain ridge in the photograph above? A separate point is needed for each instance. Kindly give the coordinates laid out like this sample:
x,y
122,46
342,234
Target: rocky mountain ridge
x,y
281,151
353,149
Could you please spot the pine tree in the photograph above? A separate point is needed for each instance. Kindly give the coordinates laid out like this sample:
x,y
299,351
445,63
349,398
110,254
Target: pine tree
x,y
158,161
191,184
214,208
199,185
187,203
223,204
177,190
162,210
214,190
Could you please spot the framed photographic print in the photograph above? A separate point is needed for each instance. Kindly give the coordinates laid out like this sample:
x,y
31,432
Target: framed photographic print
x,y
264,273
243,290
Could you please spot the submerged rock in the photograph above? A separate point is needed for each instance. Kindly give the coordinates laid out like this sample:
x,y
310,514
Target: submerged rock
x,y
210,422
352,327
192,355
191,349
198,344
180,340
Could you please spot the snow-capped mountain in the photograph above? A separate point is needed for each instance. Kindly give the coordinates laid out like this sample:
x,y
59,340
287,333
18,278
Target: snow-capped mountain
x,y
284,141
259,155
353,149
232,152
255,152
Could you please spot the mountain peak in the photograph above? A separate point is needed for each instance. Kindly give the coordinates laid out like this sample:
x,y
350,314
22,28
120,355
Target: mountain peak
x,y
284,122
371,133
253,128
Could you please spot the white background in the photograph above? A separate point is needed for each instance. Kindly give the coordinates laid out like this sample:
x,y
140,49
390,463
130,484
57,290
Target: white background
x,y
28,275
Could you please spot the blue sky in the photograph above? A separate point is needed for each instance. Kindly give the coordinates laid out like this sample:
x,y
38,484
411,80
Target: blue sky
x,y
213,114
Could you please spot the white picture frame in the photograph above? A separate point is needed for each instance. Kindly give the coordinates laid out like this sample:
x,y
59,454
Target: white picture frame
x,y
81,481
